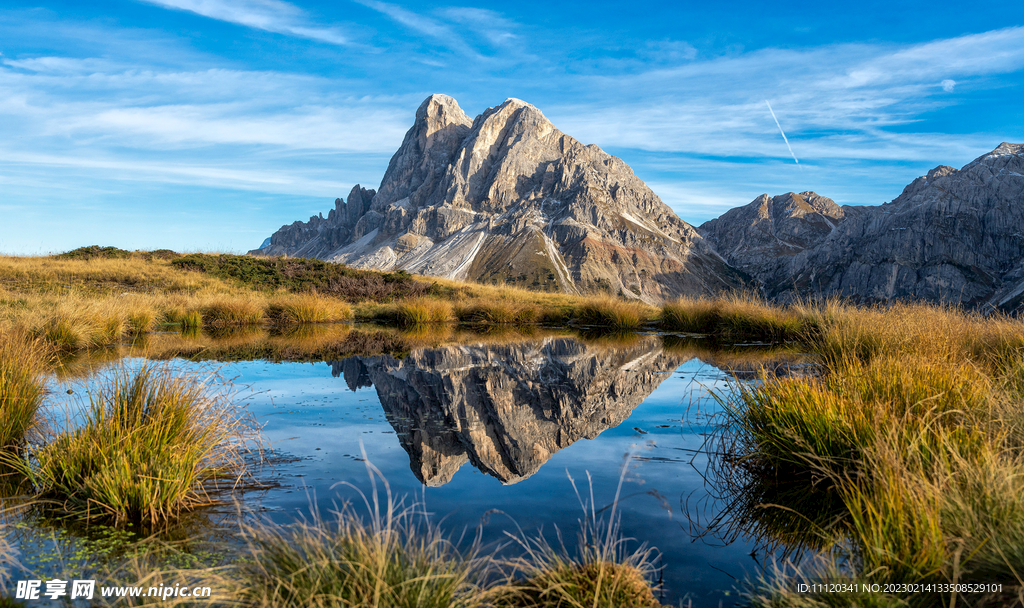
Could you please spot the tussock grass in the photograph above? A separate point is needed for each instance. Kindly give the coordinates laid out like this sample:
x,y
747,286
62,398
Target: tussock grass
x,y
225,312
22,387
383,553
394,559
422,311
601,571
63,334
613,313
189,319
152,444
141,322
498,313
308,308
915,431
739,316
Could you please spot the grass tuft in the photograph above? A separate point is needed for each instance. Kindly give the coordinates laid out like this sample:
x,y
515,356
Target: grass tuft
x,y
611,313
601,571
422,311
152,444
396,559
22,388
308,308
498,313
224,312
739,316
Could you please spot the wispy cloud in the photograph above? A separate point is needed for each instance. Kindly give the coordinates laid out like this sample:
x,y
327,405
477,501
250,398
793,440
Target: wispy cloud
x,y
843,101
121,111
270,15
152,109
481,34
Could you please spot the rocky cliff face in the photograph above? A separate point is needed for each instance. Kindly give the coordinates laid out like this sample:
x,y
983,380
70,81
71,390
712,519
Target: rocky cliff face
x,y
508,198
951,236
762,237
506,408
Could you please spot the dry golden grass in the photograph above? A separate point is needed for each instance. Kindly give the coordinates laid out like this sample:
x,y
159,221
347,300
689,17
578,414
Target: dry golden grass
x,y
916,430
308,308
153,442
22,387
48,275
614,313
741,316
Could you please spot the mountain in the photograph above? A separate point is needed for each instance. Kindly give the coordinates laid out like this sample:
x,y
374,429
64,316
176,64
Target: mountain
x,y
508,198
506,408
952,236
762,237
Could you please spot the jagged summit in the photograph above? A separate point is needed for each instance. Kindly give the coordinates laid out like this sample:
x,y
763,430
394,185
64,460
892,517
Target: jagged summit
x,y
953,235
761,236
508,198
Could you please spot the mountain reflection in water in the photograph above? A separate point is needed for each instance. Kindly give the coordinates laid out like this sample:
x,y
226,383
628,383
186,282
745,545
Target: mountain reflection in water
x,y
506,408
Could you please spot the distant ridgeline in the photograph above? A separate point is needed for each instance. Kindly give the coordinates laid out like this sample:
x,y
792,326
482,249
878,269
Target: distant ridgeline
x,y
506,198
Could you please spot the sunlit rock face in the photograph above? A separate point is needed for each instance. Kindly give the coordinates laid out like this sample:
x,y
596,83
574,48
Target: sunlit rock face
x,y
507,408
507,198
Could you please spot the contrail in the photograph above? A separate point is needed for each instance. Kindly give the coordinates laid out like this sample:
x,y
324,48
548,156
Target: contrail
x,y
783,132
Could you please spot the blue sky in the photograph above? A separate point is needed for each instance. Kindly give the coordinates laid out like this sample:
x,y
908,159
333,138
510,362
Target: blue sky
x,y
204,125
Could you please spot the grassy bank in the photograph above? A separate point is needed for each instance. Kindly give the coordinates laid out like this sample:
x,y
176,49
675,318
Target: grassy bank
x,y
97,297
908,451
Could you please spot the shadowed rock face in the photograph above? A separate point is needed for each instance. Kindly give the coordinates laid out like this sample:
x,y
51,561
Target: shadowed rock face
x,y
951,236
508,198
762,237
506,408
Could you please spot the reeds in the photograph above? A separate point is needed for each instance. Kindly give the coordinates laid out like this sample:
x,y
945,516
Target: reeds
x,y
153,443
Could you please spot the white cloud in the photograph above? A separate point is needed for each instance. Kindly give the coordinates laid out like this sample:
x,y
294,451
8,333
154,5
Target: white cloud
x,y
835,102
127,169
270,15
450,27
148,109
947,85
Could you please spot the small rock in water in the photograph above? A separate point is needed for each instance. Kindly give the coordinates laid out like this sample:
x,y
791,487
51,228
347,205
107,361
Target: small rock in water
x,y
639,430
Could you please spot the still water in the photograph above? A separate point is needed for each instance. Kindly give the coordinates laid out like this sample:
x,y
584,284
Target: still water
x,y
468,429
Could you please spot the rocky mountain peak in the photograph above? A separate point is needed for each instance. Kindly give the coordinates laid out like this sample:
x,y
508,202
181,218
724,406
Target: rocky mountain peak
x,y
420,162
761,236
508,198
1006,149
951,236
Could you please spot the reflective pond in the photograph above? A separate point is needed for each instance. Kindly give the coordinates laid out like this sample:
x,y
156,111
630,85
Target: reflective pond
x,y
489,434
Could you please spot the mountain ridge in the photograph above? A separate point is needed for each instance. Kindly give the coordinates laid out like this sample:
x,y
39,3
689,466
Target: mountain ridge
x,y
507,198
